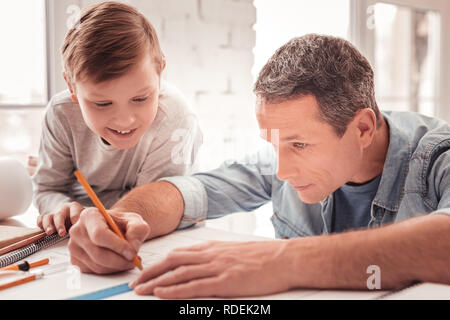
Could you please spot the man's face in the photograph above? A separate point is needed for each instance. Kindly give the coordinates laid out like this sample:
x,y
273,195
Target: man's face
x,y
122,109
311,157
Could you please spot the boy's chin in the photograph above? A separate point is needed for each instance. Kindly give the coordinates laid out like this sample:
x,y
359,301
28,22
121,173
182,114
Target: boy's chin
x,y
125,145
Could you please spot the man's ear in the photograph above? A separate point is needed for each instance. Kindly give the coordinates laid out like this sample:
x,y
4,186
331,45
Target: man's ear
x,y
72,91
163,64
366,124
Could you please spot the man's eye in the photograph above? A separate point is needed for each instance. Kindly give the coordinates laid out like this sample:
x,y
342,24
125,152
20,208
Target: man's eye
x,y
299,145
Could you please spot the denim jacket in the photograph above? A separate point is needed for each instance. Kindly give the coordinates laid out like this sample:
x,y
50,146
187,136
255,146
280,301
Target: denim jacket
x,y
415,181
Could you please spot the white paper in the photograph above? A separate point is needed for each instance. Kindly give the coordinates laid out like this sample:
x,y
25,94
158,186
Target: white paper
x,y
71,283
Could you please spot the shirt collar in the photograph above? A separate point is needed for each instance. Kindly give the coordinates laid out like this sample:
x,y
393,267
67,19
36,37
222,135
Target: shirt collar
x,y
391,189
396,165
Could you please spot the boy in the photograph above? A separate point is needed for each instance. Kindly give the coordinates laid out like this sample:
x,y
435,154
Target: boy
x,y
118,123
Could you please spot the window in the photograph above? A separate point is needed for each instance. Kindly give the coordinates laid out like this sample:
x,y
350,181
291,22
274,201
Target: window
x,y
408,45
23,55
23,76
279,21
406,61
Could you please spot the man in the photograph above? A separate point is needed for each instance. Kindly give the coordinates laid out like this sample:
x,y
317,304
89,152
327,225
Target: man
x,y
354,188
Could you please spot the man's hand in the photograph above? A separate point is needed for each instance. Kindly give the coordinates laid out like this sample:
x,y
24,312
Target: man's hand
x,y
62,220
95,248
224,269
402,251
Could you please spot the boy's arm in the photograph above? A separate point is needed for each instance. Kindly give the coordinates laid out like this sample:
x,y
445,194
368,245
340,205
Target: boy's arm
x,y
54,173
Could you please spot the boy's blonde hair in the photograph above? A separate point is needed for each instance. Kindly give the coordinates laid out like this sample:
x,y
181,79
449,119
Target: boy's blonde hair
x,y
108,40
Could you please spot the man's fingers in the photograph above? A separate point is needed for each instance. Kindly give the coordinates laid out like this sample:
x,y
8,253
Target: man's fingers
x,y
80,264
81,259
101,235
179,275
198,247
137,231
172,261
207,287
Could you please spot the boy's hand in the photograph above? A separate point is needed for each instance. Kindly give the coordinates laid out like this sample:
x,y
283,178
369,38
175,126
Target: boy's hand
x,y
95,248
62,220
32,165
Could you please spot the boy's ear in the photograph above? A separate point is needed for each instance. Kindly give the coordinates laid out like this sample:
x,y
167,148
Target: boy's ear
x,y
72,92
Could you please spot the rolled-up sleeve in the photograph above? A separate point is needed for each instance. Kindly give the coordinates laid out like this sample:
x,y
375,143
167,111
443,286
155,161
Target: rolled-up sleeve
x,y
195,199
242,185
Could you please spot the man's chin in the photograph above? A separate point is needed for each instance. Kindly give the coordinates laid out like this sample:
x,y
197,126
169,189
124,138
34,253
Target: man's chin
x,y
310,199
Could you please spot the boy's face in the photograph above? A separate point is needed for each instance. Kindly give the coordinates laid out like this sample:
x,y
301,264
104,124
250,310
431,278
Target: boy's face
x,y
122,109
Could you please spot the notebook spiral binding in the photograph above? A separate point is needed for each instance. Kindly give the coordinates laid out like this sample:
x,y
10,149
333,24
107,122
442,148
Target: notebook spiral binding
x,y
19,254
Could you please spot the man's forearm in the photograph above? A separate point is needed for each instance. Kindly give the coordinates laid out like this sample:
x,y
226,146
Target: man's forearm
x,y
159,203
416,249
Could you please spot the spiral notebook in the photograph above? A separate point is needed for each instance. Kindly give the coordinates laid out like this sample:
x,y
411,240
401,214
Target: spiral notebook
x,y
21,253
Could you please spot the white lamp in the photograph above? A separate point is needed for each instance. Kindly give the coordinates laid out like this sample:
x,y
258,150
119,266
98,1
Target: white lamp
x,y
16,189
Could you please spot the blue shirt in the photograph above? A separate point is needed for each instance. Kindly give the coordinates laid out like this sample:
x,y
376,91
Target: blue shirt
x,y
415,181
351,208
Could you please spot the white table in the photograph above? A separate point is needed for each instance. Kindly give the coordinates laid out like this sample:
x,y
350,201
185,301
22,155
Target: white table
x,y
70,283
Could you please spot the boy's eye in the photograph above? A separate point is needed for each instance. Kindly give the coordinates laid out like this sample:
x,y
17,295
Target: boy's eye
x,y
140,99
103,104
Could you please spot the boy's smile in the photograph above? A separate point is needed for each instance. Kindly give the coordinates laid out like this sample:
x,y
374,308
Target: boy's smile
x,y
122,109
123,134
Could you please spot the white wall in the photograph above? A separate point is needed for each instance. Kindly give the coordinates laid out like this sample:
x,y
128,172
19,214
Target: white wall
x,y
208,45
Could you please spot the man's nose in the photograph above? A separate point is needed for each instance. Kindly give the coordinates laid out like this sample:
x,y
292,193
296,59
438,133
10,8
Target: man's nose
x,y
286,167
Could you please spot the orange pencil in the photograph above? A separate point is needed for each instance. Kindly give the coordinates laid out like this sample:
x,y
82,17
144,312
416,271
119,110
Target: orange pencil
x,y
25,266
22,243
136,260
20,281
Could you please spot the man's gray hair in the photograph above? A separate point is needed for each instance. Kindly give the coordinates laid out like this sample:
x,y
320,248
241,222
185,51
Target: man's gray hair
x,y
331,69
